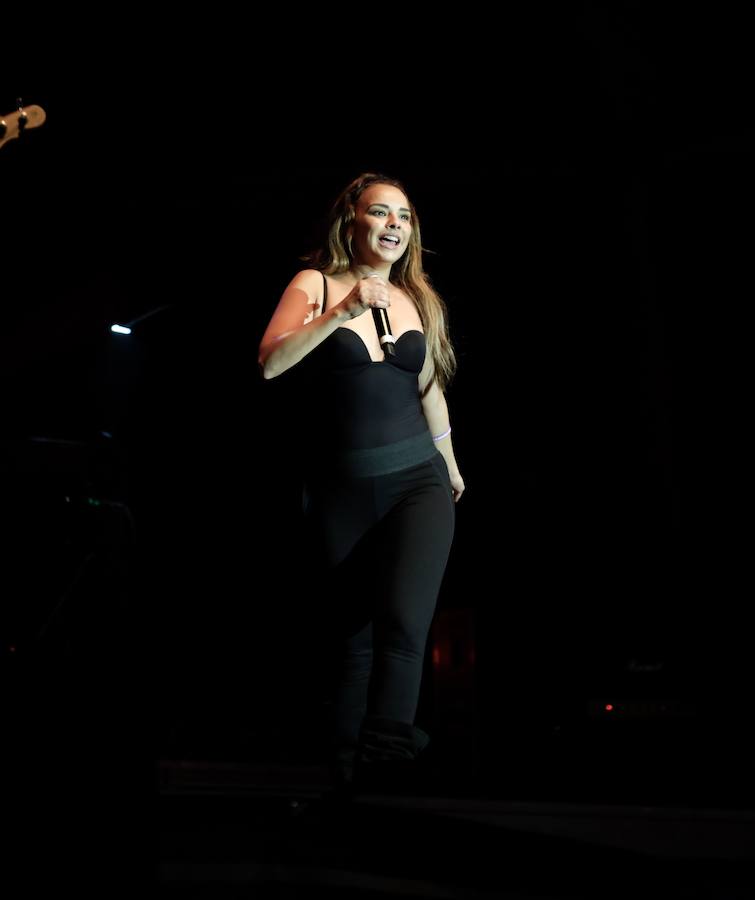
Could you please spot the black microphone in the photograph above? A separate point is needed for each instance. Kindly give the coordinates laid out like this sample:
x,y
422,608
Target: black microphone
x,y
383,326
387,340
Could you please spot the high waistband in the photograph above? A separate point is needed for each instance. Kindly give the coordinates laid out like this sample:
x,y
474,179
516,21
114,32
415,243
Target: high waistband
x,y
373,461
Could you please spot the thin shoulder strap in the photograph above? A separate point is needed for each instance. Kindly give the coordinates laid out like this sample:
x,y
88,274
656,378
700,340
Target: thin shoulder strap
x,y
324,292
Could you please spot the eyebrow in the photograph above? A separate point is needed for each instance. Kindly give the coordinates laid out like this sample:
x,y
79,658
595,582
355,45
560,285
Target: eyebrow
x,y
385,206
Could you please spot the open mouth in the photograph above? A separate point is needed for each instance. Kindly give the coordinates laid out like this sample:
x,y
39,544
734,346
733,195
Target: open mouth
x,y
387,240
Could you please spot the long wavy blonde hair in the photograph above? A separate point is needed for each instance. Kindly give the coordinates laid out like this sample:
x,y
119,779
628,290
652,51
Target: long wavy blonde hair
x,y
407,274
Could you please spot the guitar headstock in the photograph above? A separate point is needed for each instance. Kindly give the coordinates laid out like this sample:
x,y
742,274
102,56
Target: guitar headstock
x,y
15,123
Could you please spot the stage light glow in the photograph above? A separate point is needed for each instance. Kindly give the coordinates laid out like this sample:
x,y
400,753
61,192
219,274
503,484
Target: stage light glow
x,y
120,329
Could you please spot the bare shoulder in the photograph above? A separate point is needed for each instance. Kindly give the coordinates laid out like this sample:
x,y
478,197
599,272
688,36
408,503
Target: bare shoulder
x,y
296,307
311,282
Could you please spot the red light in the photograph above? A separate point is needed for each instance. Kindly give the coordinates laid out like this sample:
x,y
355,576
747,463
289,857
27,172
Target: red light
x,y
436,656
609,707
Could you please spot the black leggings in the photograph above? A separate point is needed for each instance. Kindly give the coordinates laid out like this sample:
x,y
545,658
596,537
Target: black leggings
x,y
380,546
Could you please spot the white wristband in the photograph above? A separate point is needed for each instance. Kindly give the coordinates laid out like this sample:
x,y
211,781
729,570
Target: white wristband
x,y
442,435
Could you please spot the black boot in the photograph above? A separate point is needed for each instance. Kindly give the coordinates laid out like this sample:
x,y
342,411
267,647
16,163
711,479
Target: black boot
x,y
386,759
341,775
336,799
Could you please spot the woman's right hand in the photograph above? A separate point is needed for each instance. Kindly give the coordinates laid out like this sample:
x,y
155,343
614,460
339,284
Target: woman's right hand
x,y
370,291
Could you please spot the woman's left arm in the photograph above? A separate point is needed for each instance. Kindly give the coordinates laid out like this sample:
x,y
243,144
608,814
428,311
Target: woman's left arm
x,y
436,412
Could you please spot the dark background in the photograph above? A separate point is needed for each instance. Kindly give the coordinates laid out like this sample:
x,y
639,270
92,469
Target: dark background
x,y
584,182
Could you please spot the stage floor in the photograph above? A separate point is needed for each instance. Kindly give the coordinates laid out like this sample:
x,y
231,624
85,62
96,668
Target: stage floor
x,y
234,827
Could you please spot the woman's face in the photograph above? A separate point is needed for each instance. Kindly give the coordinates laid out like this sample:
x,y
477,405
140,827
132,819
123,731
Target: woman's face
x,y
382,226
